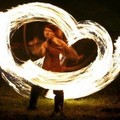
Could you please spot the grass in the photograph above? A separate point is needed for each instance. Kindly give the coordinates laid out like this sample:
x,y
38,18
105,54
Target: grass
x,y
103,105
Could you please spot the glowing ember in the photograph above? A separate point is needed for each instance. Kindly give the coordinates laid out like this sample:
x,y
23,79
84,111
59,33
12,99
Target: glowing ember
x,y
75,84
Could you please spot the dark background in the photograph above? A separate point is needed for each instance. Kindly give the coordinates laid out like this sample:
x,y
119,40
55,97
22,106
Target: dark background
x,y
105,12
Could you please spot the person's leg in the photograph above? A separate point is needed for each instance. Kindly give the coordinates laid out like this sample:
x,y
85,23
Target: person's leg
x,y
35,92
58,99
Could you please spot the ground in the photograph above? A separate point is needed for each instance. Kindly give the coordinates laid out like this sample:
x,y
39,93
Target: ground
x,y
103,105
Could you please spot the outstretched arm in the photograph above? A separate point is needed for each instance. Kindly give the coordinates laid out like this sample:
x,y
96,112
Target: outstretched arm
x,y
38,50
66,50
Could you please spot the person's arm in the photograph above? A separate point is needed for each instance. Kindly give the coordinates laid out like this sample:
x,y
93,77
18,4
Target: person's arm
x,y
73,68
39,50
85,61
66,50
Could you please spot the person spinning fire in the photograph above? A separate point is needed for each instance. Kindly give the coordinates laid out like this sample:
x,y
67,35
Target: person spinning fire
x,y
51,49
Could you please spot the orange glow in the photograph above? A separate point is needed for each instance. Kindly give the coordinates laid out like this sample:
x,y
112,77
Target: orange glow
x,y
76,84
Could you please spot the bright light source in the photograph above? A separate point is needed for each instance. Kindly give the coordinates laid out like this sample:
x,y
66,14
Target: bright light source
x,y
75,84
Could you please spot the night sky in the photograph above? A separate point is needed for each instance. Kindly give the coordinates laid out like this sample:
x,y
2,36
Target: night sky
x,y
105,12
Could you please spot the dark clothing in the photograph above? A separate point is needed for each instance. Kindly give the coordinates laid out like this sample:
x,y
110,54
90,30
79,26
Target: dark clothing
x,y
51,50
36,91
59,99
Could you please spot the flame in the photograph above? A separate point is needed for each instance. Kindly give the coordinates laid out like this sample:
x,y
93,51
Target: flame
x,y
76,84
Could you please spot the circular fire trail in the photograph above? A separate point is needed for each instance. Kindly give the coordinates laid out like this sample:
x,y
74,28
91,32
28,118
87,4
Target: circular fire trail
x,y
88,80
